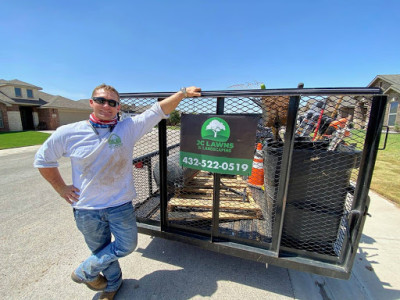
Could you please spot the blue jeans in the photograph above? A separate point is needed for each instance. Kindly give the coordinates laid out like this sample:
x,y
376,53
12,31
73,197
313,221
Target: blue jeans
x,y
97,227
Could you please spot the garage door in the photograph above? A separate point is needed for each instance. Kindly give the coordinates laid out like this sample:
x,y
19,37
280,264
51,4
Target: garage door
x,y
67,117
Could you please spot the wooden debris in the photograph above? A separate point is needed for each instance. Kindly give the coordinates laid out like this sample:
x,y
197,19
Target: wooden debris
x,y
201,215
205,203
194,200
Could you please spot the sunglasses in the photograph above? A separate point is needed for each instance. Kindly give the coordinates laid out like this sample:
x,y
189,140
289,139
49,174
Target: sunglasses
x,y
102,101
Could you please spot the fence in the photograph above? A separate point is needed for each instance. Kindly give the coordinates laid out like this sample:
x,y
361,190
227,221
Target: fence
x,y
318,149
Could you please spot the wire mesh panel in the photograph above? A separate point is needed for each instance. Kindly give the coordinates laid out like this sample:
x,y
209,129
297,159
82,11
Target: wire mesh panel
x,y
192,204
328,144
190,191
254,216
301,194
145,160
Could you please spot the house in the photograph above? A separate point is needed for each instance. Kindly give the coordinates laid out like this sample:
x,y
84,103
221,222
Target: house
x,y
23,106
390,85
359,107
339,106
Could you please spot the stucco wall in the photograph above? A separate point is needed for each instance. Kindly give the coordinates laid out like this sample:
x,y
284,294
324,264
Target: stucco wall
x,y
10,92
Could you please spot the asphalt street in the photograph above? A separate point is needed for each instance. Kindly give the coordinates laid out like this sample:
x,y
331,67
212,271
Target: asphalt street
x,y
40,247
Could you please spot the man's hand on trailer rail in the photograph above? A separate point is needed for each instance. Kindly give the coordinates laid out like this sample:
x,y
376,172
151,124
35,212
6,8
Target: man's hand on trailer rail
x,y
169,104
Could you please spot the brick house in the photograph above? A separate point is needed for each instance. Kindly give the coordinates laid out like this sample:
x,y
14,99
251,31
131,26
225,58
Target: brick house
x,y
390,85
23,106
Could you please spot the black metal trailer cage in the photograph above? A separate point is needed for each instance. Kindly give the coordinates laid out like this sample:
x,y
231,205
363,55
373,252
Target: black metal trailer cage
x,y
319,147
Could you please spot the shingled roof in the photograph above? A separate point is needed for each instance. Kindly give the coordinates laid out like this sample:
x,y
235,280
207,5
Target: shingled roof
x,y
45,100
16,82
52,101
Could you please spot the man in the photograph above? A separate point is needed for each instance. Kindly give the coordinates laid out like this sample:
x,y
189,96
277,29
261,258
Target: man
x,y
101,151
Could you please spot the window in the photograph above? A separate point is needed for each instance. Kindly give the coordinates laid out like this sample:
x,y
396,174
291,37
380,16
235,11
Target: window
x,y
29,93
392,113
18,92
1,120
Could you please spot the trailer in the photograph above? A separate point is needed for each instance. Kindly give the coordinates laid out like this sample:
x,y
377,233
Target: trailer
x,y
308,208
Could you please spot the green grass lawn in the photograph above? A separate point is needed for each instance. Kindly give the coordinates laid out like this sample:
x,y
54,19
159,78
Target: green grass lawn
x,y
21,139
386,177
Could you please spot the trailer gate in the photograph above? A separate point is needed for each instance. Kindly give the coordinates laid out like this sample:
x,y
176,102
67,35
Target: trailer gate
x,y
318,147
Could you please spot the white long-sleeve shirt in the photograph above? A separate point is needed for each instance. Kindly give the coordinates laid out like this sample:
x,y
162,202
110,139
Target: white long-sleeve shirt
x,y
101,163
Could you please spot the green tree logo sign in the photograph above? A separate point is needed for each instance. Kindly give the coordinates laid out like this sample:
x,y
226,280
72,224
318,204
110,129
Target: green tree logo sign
x,y
215,129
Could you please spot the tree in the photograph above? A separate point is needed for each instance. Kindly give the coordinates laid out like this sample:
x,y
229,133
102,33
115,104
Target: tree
x,y
174,118
215,126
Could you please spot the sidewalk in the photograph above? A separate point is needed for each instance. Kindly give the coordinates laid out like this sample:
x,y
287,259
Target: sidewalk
x,y
375,273
5,152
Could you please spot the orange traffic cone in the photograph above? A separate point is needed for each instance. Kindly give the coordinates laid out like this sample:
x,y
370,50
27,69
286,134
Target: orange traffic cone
x,y
256,178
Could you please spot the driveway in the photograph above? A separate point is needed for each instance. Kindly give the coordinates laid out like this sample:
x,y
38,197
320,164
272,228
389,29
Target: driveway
x,y
40,247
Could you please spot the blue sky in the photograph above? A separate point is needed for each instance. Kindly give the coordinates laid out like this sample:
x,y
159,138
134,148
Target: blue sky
x,y
69,47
